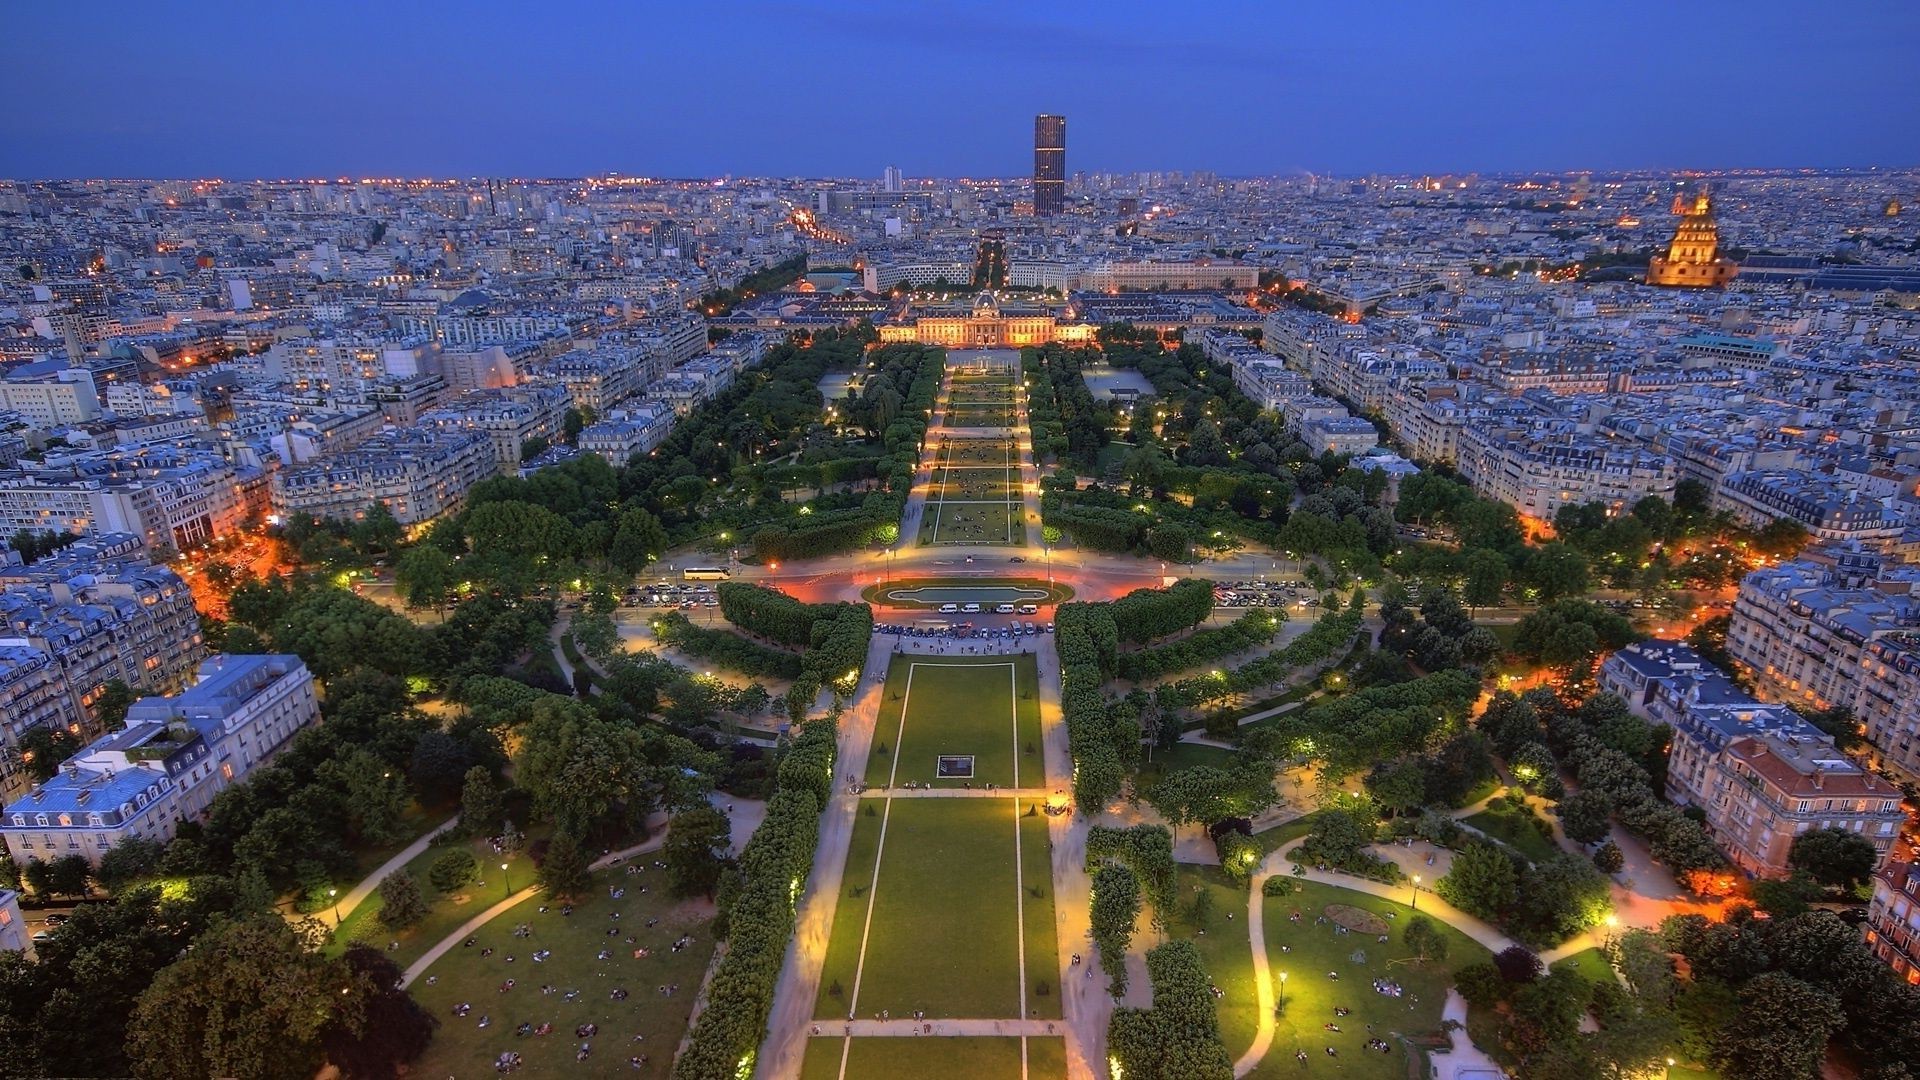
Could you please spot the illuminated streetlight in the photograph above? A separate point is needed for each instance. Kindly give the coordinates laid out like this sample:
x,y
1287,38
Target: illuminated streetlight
x,y
334,895
1416,892
507,879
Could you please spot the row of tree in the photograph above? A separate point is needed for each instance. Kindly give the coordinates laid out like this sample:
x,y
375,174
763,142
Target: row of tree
x,y
1205,646
756,900
725,648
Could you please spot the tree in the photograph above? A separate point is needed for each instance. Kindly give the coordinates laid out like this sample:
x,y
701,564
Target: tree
x,y
453,870
1780,1031
401,904
1517,965
250,999
71,875
1424,938
133,859
1483,881
563,871
43,748
426,575
1609,859
480,802
696,851
638,540
1838,722
110,708
1115,908
1584,815
1486,581
393,1031
1835,858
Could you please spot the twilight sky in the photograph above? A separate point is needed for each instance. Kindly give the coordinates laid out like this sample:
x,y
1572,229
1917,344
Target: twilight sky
x,y
248,88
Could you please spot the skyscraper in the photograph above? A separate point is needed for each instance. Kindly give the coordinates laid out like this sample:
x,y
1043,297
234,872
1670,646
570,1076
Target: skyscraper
x,y
1049,164
890,181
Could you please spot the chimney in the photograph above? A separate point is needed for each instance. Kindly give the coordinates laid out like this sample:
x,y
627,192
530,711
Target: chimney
x,y
1819,779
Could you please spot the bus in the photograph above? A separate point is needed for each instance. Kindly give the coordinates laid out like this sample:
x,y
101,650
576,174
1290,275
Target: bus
x,y
706,573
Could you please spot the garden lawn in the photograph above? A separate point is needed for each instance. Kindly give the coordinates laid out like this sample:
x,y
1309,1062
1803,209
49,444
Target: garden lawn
x,y
969,523
1514,830
957,706
461,1048
1225,949
962,1058
1311,996
941,925
1589,964
1180,756
977,485
445,911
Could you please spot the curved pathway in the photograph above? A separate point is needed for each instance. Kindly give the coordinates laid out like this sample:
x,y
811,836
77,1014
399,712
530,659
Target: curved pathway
x,y
741,812
501,907
1431,904
359,893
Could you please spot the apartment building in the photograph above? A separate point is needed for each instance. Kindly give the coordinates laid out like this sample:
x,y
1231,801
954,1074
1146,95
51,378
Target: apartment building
x,y
417,473
1762,774
1893,918
169,761
1838,628
1539,472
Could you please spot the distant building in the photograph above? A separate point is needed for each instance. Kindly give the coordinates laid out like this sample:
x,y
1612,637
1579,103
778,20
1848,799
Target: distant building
x,y
1049,165
13,925
1693,259
987,324
1762,774
1893,919
169,761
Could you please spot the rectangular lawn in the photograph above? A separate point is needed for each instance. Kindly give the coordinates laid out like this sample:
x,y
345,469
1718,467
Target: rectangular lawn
x,y
941,921
963,1058
986,707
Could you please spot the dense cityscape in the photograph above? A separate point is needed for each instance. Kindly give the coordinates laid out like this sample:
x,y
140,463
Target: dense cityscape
x,y
1455,625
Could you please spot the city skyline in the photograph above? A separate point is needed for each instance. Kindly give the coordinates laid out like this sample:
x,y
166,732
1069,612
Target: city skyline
x,y
407,94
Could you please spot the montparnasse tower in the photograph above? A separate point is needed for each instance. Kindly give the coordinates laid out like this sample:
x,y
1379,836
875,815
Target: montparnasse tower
x,y
1693,258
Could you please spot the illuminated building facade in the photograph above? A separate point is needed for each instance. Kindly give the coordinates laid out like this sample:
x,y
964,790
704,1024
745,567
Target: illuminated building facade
x,y
985,325
1693,259
1049,164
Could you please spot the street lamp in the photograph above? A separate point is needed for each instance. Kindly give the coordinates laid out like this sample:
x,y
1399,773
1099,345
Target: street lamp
x,y
1416,892
1280,1007
504,878
334,895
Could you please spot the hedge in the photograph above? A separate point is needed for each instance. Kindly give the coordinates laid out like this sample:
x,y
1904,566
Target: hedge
x,y
1179,1037
1253,628
725,648
759,912
1330,633
1145,614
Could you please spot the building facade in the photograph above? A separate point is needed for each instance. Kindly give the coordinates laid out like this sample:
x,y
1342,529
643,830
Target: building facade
x,y
169,761
1049,165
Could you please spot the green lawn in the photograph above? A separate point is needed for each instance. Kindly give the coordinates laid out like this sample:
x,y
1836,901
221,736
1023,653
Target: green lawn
x,y
975,454
943,932
980,415
960,1058
956,706
994,522
462,1048
1225,949
883,595
1514,830
1181,756
1589,964
1311,996
445,911
977,485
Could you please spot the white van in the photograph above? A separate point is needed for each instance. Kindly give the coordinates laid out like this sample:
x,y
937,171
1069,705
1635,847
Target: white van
x,y
1029,609
949,609
1004,609
971,609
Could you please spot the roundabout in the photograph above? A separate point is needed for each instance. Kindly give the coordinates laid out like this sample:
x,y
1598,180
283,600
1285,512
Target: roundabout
x,y
931,594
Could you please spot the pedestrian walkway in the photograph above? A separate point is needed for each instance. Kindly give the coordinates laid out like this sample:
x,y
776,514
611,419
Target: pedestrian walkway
x,y
405,855
1033,1029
